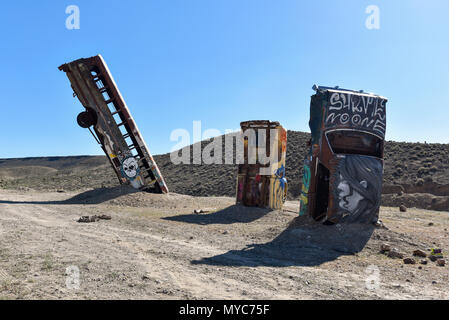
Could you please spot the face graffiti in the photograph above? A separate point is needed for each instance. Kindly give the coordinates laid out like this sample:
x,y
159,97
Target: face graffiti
x,y
349,198
358,187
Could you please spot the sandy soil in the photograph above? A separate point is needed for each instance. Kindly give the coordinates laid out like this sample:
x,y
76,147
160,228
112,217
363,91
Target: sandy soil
x,y
155,247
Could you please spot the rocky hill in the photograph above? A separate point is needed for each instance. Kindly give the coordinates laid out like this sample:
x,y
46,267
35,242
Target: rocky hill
x,y
414,173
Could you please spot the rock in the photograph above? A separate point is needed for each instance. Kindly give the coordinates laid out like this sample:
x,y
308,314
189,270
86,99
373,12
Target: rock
x,y
441,262
380,224
436,254
84,219
402,208
430,224
423,261
87,219
384,247
409,261
419,253
394,253
105,217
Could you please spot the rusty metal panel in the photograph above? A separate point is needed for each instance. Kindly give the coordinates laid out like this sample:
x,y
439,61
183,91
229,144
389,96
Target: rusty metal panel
x,y
342,176
256,189
113,126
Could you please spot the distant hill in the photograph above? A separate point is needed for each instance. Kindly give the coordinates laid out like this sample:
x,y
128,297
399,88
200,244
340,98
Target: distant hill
x,y
418,167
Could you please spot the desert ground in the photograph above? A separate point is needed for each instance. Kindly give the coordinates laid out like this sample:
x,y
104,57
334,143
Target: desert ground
x,y
156,247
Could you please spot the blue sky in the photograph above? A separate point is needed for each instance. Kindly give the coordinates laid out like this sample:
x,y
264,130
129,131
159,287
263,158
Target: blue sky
x,y
220,62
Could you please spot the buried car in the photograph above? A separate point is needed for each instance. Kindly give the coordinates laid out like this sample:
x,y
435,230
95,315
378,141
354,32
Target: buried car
x,y
342,174
261,177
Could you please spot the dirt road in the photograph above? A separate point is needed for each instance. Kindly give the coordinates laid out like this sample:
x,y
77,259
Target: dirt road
x,y
155,247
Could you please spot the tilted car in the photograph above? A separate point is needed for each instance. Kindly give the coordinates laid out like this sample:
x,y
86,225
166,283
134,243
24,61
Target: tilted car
x,y
113,126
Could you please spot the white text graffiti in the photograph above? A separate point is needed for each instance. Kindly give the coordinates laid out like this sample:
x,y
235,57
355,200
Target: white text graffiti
x,y
354,110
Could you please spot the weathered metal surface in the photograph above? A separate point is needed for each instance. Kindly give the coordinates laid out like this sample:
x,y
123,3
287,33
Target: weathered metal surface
x,y
342,178
262,184
114,128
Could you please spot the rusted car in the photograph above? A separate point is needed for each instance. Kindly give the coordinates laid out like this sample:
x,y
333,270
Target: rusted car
x,y
342,177
113,126
262,183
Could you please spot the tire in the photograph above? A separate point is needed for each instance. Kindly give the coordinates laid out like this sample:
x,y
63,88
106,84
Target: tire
x,y
87,118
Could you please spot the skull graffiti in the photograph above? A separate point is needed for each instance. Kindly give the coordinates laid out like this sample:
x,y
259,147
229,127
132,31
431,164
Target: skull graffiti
x,y
130,168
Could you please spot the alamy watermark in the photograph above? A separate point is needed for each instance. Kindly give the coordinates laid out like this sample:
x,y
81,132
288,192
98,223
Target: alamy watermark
x,y
372,281
259,148
72,280
73,20
372,22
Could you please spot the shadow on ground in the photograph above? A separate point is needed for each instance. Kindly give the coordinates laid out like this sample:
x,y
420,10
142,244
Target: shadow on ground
x,y
303,243
95,196
229,215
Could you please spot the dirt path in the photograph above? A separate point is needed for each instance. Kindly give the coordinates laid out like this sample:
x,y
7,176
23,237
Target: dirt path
x,y
155,247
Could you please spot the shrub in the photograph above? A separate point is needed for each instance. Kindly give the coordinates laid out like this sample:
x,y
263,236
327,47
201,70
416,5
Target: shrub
x,y
422,171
